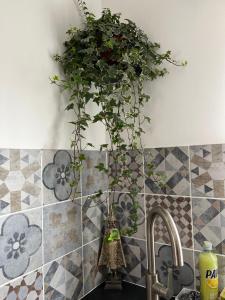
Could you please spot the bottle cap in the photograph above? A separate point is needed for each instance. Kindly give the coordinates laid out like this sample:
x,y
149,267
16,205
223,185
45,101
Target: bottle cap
x,y
207,246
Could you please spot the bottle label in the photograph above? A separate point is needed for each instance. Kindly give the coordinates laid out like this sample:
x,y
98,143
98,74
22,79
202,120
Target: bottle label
x,y
212,278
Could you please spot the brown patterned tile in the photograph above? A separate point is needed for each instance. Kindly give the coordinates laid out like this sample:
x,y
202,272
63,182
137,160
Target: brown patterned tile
x,y
20,180
180,209
28,287
208,170
134,163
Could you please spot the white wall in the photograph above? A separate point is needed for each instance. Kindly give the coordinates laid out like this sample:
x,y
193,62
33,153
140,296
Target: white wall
x,y
188,106
32,111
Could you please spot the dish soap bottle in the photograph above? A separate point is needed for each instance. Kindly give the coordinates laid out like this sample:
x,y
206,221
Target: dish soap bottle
x,y
208,267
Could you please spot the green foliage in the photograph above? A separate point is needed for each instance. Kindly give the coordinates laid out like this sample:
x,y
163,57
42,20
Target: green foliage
x,y
107,62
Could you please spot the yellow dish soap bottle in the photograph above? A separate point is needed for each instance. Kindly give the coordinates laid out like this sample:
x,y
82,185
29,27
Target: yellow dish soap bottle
x,y
208,267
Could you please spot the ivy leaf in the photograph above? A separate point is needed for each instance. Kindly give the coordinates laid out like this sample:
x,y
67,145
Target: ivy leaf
x,y
69,106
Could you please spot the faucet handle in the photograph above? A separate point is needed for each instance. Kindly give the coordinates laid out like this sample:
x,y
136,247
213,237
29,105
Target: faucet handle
x,y
170,287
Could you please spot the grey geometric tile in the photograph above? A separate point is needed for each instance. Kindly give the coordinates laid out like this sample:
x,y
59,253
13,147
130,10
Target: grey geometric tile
x,y
134,163
208,222
173,164
221,271
20,244
124,207
183,276
180,209
62,229
92,276
63,278
208,170
20,180
94,215
57,176
93,180
28,287
135,256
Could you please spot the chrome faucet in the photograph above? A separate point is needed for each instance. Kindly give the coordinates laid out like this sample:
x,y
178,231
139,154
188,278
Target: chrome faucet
x,y
154,288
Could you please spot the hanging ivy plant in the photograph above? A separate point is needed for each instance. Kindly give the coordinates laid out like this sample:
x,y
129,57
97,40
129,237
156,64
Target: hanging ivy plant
x,y
107,62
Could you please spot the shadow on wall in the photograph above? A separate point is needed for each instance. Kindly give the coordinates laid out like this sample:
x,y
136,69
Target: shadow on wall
x,y
59,125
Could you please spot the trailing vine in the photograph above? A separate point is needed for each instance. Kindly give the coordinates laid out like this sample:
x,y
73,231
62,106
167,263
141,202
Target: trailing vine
x,y
107,62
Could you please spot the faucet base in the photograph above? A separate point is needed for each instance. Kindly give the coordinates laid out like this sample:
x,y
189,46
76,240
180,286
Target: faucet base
x,y
150,281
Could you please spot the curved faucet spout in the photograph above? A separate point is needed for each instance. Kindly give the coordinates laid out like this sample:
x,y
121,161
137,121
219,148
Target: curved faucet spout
x,y
154,288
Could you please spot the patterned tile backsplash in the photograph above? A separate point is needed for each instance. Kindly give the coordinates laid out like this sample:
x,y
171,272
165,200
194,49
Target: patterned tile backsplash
x,y
173,163
92,179
123,205
51,234
180,209
28,287
20,244
62,229
94,213
57,175
134,161
182,277
63,278
208,170
20,180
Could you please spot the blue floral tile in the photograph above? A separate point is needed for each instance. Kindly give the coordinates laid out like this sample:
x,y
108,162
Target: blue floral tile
x,y
182,277
62,229
20,244
124,208
57,176
94,214
63,278
173,164
29,287
93,180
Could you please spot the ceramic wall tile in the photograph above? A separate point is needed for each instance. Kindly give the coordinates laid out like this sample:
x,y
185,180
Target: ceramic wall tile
x,y
173,164
182,277
180,209
208,222
92,276
94,215
20,244
20,180
62,229
93,180
208,170
63,278
29,287
57,176
134,162
221,271
135,255
123,205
